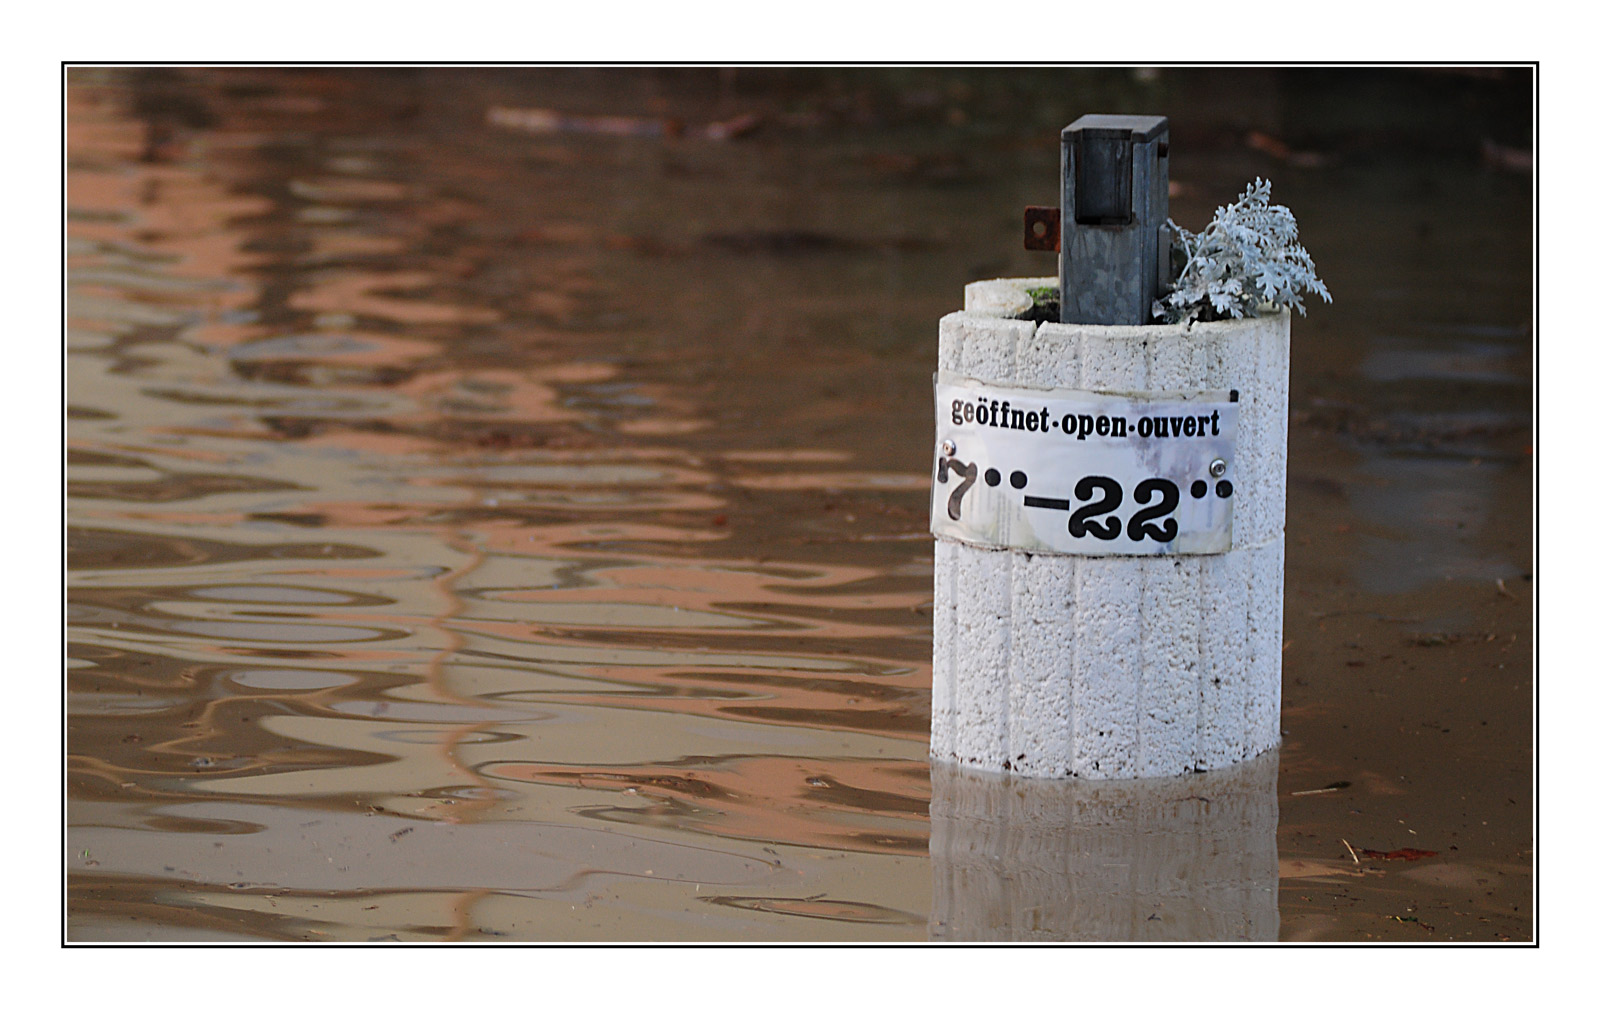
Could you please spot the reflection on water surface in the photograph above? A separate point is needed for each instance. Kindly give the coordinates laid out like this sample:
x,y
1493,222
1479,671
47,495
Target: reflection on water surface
x,y
1119,861
483,534
384,623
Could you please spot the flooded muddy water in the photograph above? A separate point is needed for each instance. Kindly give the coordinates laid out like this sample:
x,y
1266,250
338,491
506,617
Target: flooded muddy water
x,y
497,510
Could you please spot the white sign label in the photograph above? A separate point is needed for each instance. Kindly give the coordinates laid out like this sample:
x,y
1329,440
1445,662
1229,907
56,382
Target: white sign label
x,y
1065,471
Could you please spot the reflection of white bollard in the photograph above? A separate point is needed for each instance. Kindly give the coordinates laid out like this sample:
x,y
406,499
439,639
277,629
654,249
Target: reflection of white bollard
x,y
1109,665
1174,860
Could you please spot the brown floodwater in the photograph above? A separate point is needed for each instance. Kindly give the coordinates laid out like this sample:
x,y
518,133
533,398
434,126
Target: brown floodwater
x,y
497,510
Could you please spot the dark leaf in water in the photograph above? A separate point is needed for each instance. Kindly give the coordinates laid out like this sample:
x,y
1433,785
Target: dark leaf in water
x,y
1405,854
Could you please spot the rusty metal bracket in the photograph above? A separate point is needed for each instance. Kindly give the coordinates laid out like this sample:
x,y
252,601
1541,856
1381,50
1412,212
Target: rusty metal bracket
x,y
1041,229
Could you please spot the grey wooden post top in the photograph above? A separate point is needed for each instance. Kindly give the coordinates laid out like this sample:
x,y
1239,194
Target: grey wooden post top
x,y
1113,217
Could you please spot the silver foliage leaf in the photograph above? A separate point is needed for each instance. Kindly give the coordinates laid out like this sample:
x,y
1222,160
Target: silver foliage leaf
x,y
1246,260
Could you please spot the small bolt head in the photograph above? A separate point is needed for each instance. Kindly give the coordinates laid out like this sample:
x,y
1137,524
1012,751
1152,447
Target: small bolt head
x,y
1218,467
947,448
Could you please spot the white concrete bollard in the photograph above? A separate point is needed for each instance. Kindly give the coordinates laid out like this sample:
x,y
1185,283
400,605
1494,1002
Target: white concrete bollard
x,y
1166,860
1051,664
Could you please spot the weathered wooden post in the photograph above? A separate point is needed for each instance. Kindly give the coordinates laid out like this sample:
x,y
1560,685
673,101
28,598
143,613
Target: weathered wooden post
x,y
1108,501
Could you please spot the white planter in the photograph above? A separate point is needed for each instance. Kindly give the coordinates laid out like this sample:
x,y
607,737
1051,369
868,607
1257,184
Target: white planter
x,y
1050,665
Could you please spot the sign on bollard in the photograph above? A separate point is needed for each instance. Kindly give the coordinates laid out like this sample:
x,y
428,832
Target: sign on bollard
x,y
1067,471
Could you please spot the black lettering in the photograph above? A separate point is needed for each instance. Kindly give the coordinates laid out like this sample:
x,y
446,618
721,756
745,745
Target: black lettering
x,y
1033,420
1069,424
1085,426
968,471
1214,429
1079,525
1161,427
983,412
967,412
1119,427
1145,427
1143,521
1005,409
1188,427
955,411
1044,418
1102,425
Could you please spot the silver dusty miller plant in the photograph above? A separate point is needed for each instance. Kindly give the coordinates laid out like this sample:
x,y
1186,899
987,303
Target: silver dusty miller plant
x,y
1245,260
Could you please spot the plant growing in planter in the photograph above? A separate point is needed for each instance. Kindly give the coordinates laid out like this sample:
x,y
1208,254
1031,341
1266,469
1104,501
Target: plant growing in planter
x,y
1246,260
